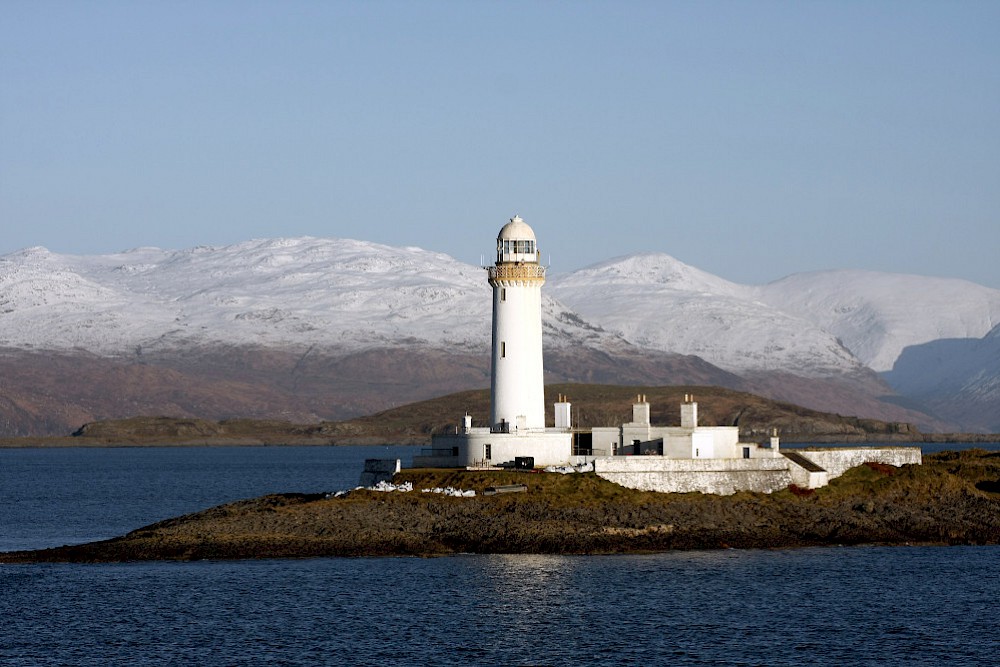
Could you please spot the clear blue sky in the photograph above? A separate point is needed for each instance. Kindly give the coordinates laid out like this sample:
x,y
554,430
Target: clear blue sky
x,y
750,139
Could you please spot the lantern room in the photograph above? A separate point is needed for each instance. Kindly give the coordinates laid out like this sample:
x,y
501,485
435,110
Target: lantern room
x,y
516,243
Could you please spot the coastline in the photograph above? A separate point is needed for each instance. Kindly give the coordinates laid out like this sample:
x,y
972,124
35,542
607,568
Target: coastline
x,y
954,498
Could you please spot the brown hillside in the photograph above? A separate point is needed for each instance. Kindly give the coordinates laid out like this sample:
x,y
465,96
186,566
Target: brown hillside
x,y
594,405
50,393
605,405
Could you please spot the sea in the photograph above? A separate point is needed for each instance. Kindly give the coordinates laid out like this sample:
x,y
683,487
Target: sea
x,y
882,606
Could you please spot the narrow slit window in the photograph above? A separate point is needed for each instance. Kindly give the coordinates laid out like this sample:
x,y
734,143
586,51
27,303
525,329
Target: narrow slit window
x,y
503,349
503,293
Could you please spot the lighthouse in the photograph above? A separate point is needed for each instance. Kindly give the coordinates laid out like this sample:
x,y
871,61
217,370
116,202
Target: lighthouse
x,y
516,435
517,387
636,454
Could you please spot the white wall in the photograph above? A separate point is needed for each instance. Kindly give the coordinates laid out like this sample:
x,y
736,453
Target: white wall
x,y
547,448
517,381
720,476
838,460
563,415
606,438
728,475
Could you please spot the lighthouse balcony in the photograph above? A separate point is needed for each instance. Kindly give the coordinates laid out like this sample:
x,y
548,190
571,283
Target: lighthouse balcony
x,y
516,272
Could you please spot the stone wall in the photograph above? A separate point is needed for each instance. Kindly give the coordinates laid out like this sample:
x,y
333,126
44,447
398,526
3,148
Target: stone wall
x,y
838,460
719,476
727,476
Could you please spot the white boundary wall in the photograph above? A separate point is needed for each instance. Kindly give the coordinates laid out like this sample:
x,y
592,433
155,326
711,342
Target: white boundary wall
x,y
719,476
838,460
727,476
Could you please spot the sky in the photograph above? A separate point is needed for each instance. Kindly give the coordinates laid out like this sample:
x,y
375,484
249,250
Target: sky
x,y
749,139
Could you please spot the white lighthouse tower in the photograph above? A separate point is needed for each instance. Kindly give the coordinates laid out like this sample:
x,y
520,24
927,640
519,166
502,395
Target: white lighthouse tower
x,y
517,385
516,434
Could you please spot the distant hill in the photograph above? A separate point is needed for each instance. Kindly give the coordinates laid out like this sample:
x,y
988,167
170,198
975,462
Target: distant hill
x,y
309,329
593,405
611,405
957,378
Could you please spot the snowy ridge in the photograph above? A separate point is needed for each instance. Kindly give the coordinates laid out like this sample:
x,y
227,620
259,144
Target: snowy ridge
x,y
877,315
958,378
657,302
348,295
281,292
271,292
954,366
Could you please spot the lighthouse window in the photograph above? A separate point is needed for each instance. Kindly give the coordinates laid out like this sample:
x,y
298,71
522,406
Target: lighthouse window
x,y
503,293
503,349
524,247
515,247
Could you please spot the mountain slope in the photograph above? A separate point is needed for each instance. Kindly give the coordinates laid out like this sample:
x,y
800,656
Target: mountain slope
x,y
329,328
654,301
876,315
957,378
292,293
286,292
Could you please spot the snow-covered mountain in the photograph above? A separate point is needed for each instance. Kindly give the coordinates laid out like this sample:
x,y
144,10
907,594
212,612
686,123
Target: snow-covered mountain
x,y
655,301
276,292
279,293
959,378
308,296
877,315
352,295
953,364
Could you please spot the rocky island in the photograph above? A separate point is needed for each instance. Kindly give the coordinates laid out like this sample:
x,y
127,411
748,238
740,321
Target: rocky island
x,y
953,498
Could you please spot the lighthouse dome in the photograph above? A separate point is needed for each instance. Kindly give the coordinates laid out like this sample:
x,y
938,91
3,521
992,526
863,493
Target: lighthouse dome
x,y
516,242
516,229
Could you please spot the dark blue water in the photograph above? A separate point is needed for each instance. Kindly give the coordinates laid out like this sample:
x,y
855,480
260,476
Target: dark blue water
x,y
52,497
848,606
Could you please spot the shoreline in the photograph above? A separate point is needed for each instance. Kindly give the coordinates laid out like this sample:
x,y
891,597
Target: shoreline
x,y
952,499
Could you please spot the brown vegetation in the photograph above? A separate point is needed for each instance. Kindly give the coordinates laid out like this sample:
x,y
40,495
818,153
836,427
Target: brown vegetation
x,y
593,405
48,394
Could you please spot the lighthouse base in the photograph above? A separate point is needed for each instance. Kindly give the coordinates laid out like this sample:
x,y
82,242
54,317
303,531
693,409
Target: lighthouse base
x,y
482,447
